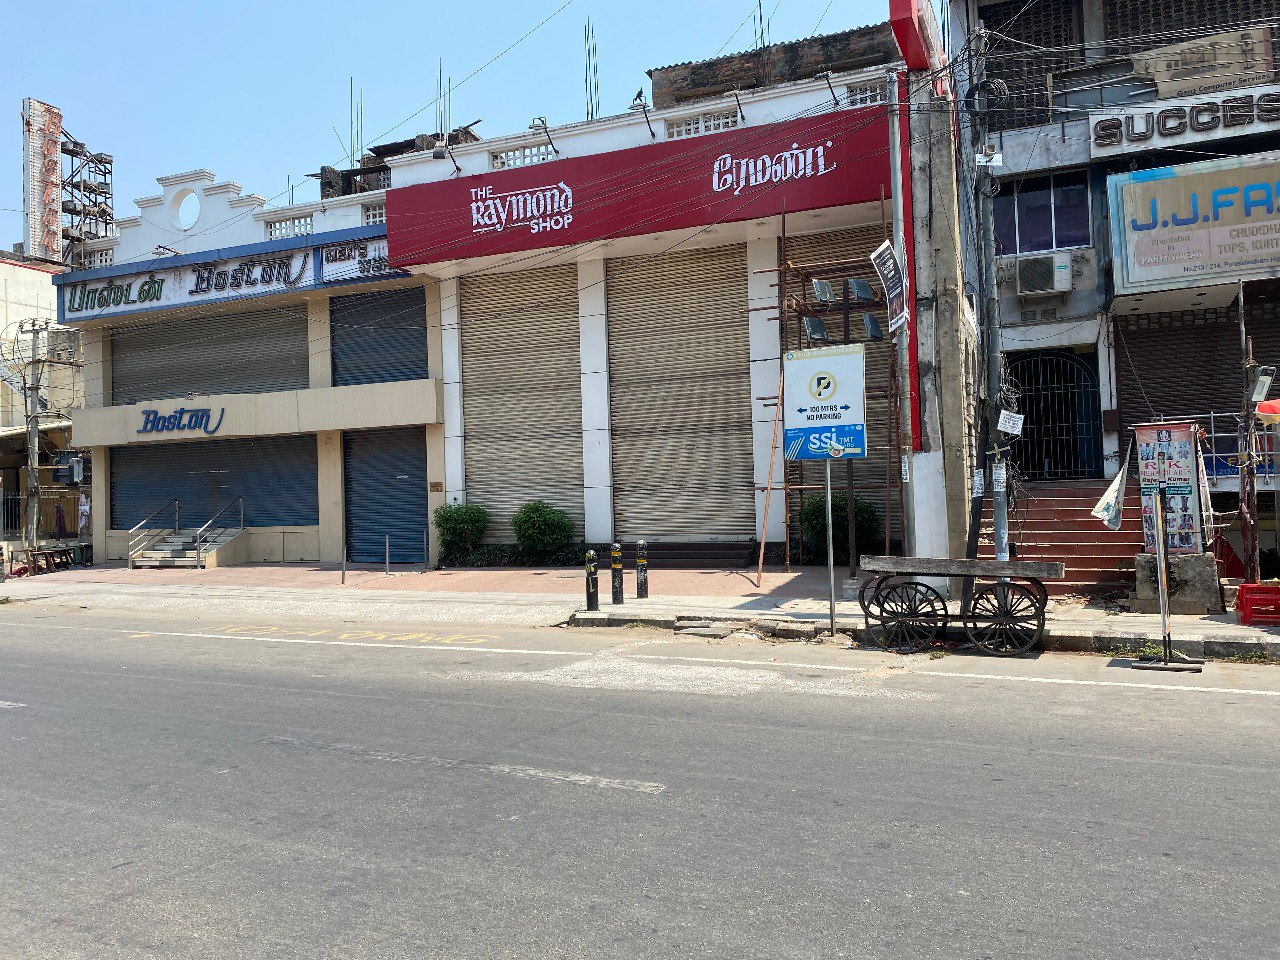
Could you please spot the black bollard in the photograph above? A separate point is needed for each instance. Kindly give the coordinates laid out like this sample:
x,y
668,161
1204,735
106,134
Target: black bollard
x,y
615,562
642,571
593,583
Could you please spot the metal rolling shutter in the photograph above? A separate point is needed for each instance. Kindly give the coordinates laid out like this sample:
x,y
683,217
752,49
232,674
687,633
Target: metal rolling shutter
x,y
233,353
680,391
855,243
1188,364
522,394
277,477
385,478
379,337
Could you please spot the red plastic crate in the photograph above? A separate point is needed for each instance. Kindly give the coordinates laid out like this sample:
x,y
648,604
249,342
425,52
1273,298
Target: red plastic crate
x,y
1258,603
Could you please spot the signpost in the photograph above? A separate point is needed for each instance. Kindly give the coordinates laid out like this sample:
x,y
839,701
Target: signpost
x,y
824,418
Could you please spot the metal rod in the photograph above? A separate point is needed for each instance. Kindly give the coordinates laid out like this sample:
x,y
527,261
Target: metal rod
x,y
642,570
831,556
344,562
424,551
768,490
388,555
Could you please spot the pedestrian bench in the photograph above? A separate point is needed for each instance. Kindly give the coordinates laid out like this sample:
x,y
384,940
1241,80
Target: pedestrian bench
x,y
1004,617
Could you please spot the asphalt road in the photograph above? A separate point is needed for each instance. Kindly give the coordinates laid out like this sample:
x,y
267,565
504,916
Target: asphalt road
x,y
181,788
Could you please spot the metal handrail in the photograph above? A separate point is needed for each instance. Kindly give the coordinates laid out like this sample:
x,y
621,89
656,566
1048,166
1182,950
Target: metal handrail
x,y
148,537
201,532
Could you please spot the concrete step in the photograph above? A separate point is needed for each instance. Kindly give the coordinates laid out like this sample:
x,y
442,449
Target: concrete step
x,y
157,562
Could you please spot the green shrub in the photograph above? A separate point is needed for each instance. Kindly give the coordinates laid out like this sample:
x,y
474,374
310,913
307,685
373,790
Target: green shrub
x,y
813,523
544,533
460,527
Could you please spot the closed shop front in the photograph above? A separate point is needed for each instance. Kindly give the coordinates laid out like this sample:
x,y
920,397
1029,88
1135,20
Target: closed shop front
x,y
680,396
276,476
378,337
256,352
522,394
385,488
869,475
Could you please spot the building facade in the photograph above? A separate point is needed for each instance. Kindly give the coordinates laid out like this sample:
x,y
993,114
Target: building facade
x,y
586,315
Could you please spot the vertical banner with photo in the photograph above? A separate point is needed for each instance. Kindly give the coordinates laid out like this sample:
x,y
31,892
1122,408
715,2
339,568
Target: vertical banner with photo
x,y
1173,447
895,287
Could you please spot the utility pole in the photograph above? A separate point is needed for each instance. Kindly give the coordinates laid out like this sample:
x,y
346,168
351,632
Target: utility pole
x,y
990,305
1248,444
35,327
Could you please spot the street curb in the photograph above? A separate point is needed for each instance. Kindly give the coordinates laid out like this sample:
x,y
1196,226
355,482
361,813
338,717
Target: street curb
x,y
1113,642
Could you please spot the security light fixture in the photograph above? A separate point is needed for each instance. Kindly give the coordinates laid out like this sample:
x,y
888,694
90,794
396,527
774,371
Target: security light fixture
x,y
638,103
826,75
815,330
860,291
163,251
540,123
443,151
824,293
1262,383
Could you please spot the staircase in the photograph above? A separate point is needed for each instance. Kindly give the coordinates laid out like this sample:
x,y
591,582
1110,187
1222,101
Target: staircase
x,y
1054,524
179,549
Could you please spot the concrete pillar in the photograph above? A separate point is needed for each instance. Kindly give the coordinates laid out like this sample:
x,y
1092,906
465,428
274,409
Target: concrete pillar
x,y
100,501
1112,448
597,445
435,488
332,495
455,489
319,348
762,334
96,347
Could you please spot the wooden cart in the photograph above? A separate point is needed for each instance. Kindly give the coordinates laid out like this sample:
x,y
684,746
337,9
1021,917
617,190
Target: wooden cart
x,y
1004,617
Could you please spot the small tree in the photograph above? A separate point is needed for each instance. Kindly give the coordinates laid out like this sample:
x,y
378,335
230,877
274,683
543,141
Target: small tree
x,y
460,527
545,534
813,521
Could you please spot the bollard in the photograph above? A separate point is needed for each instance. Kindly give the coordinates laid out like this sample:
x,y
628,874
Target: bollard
x,y
344,564
615,563
388,566
593,583
424,551
642,571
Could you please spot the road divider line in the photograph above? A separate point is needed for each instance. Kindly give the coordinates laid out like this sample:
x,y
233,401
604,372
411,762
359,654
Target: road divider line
x,y
10,705
752,663
1096,683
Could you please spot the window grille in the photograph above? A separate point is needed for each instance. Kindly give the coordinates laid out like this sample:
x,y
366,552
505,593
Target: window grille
x,y
864,94
291,227
701,123
99,258
521,156
374,213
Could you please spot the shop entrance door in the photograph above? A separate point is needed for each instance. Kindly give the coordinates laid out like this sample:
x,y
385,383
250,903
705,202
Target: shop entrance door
x,y
1062,434
385,483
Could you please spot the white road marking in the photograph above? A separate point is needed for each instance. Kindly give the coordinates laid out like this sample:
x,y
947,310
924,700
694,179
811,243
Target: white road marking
x,y
1098,683
9,705
751,663
509,769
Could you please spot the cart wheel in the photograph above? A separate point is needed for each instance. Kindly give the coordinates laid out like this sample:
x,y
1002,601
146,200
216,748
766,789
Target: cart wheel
x,y
1005,619
906,617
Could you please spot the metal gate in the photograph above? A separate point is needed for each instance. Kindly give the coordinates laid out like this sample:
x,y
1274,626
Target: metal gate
x,y
379,337
385,484
1062,433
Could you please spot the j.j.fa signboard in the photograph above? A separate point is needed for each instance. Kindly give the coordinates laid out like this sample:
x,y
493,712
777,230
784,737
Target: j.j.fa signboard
x,y
825,403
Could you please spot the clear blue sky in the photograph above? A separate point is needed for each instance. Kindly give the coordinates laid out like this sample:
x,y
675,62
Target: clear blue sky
x,y
254,90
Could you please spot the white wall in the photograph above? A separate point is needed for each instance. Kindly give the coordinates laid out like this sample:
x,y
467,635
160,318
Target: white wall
x,y
26,293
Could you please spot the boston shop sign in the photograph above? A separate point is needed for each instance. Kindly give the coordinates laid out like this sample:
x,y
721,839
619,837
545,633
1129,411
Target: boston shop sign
x,y
746,173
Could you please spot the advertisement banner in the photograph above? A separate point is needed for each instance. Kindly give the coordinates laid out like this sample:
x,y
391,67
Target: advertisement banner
x,y
749,172
825,396
1222,61
1196,224
885,260
1169,452
42,179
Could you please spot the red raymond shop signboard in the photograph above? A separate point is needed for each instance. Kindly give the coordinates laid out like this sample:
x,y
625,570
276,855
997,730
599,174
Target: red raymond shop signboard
x,y
831,160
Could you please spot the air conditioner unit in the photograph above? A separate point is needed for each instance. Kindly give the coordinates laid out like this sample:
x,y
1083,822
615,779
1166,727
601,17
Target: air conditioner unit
x,y
1044,276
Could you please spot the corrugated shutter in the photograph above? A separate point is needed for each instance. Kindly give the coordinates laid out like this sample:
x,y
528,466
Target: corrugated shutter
x,y
385,479
857,244
233,353
379,337
1188,364
522,393
680,392
277,477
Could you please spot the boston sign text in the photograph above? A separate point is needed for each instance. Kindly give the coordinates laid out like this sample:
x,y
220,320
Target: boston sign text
x,y
201,418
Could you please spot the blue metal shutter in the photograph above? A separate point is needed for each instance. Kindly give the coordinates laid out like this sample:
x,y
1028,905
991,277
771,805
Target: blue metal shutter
x,y
379,337
277,476
385,480
230,353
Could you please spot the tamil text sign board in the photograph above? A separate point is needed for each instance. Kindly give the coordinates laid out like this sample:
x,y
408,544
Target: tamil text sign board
x,y
824,416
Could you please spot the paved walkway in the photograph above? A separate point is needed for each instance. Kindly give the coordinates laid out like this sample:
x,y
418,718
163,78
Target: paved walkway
x,y
546,596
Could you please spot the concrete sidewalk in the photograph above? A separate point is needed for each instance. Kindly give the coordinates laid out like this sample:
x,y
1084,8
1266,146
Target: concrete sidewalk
x,y
793,603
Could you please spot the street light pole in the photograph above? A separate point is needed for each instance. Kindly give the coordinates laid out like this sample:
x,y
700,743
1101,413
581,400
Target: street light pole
x,y
35,328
